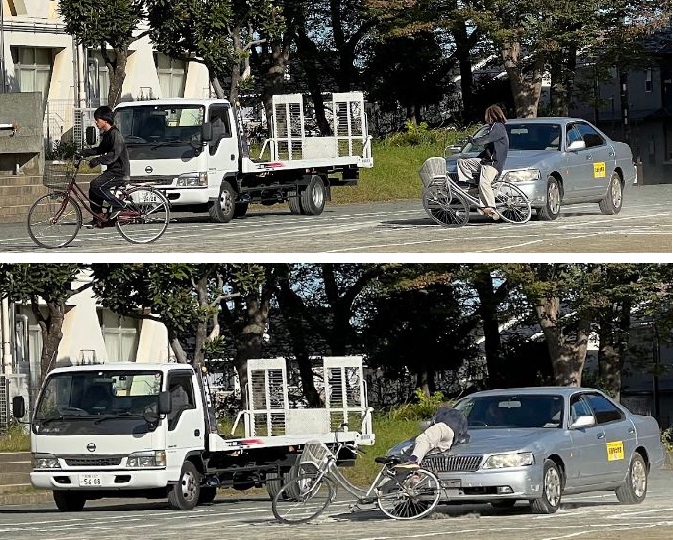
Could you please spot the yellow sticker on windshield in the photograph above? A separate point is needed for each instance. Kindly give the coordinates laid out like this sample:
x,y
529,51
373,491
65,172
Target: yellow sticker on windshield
x,y
615,450
599,169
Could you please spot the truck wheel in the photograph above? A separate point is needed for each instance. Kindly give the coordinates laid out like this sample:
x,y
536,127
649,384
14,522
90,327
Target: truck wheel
x,y
207,494
634,489
294,202
274,482
185,494
552,206
313,197
612,202
69,501
222,210
240,209
550,500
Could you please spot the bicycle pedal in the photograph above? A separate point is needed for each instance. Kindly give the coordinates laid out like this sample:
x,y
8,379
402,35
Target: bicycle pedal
x,y
353,508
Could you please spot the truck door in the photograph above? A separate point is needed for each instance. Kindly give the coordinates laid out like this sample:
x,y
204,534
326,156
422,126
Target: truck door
x,y
185,423
223,149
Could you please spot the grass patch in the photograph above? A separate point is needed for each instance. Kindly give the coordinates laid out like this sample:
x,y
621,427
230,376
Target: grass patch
x,y
15,440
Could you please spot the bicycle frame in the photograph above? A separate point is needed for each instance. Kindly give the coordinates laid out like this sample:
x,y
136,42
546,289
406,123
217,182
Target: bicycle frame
x,y
75,192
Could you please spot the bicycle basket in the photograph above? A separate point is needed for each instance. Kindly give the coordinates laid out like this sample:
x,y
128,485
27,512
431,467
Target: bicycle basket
x,y
57,174
316,456
433,171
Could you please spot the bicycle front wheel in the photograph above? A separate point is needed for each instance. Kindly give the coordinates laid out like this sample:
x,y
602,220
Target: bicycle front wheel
x,y
409,495
302,499
511,203
54,220
145,217
445,209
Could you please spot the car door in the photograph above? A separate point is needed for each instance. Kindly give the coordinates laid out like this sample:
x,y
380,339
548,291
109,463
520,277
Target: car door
x,y
620,436
223,149
588,463
576,165
599,158
186,428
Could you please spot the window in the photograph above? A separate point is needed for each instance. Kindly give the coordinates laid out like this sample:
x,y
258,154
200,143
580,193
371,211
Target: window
x,y
182,397
32,66
590,136
172,75
579,407
97,79
648,80
219,117
604,410
121,337
572,134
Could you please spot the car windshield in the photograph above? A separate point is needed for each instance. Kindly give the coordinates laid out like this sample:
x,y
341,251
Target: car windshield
x,y
152,125
521,411
93,394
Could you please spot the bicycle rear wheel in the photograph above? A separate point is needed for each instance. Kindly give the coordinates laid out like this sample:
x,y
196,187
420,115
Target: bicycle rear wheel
x,y
54,220
511,203
445,209
409,496
145,217
302,499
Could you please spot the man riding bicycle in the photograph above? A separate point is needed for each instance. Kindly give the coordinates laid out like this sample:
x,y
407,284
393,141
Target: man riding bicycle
x,y
112,153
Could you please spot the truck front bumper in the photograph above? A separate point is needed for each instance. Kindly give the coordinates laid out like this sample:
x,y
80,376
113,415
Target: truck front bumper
x,y
100,480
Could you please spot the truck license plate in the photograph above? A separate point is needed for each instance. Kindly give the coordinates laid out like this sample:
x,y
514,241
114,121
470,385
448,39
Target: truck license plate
x,y
90,480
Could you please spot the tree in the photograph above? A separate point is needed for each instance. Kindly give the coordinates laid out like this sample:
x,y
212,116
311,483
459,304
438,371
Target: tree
x,y
102,24
47,288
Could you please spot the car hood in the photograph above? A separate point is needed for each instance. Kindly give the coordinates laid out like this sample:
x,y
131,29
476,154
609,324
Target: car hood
x,y
491,441
516,159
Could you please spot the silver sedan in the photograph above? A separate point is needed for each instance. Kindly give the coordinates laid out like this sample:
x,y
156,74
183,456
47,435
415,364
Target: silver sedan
x,y
561,161
537,444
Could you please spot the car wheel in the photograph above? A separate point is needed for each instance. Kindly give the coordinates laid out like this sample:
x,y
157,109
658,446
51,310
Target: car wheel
x,y
551,490
185,494
612,202
222,210
634,489
69,501
552,207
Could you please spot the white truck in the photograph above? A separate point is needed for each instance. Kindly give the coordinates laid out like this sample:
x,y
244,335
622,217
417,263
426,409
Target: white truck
x,y
147,430
197,152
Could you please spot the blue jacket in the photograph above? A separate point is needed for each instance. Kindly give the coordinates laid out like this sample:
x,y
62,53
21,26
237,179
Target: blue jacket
x,y
452,418
496,144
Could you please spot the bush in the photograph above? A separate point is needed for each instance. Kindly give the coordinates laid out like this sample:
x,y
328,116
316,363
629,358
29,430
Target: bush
x,y
667,439
16,439
61,150
422,408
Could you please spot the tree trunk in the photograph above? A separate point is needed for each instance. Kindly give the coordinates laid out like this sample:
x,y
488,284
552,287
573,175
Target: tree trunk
x,y
117,70
525,81
235,67
488,310
249,339
273,83
215,83
51,329
613,345
201,334
562,81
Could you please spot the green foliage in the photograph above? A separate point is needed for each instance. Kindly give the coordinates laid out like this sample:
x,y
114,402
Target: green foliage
x,y
93,23
15,439
25,282
61,150
422,409
420,135
667,439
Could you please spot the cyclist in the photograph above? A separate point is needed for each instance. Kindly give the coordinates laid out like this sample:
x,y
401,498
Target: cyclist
x,y
490,161
112,153
448,425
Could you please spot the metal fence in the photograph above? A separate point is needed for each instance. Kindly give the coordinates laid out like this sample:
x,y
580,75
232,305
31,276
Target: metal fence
x,y
4,403
65,124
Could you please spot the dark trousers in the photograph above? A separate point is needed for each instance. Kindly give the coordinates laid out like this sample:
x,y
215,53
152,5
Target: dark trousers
x,y
100,191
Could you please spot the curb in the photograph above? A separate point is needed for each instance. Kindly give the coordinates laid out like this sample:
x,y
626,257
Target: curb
x,y
25,497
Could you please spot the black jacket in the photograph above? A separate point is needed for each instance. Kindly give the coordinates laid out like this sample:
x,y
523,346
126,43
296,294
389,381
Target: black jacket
x,y
454,419
112,152
496,144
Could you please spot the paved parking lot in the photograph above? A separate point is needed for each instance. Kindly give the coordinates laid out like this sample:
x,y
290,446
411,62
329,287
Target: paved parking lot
x,y
595,516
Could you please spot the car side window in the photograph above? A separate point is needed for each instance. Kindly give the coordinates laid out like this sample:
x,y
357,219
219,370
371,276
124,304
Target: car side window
x,y
182,397
604,410
579,407
590,136
572,134
219,118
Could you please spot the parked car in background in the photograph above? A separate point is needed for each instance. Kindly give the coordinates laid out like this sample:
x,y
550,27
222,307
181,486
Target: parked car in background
x,y
561,161
538,444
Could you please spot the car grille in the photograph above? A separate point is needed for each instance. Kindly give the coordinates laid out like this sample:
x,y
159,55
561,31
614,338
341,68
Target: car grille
x,y
154,180
93,461
468,463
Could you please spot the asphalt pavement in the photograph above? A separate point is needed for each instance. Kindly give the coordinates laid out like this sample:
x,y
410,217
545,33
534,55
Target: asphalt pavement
x,y
592,516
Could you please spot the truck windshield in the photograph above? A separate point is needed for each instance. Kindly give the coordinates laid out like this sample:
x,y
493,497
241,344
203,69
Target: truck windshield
x,y
160,125
92,395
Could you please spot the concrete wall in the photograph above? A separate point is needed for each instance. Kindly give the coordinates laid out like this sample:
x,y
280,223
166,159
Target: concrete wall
x,y
23,151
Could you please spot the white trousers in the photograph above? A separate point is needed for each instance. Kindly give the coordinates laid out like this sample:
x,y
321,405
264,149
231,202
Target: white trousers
x,y
467,167
437,437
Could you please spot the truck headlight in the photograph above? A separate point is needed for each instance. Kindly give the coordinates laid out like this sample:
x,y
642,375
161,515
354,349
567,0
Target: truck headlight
x,y
147,459
525,175
45,461
501,461
199,179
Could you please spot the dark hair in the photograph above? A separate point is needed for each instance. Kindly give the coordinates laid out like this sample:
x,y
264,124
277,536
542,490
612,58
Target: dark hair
x,y
104,113
494,114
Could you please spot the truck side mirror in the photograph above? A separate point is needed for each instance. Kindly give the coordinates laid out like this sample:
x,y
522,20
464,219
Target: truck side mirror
x,y
207,132
164,402
91,135
18,407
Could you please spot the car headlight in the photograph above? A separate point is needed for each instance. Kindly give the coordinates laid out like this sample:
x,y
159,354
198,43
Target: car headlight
x,y
501,461
525,175
45,461
193,179
147,459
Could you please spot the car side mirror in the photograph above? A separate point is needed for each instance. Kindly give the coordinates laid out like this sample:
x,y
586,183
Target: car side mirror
x,y
18,407
207,132
164,402
583,422
576,145
91,135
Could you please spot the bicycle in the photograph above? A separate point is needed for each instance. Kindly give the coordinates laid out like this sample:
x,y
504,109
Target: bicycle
x,y
399,495
55,219
449,203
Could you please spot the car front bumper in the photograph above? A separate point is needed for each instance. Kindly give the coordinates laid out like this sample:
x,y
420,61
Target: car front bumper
x,y
535,190
109,479
489,485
